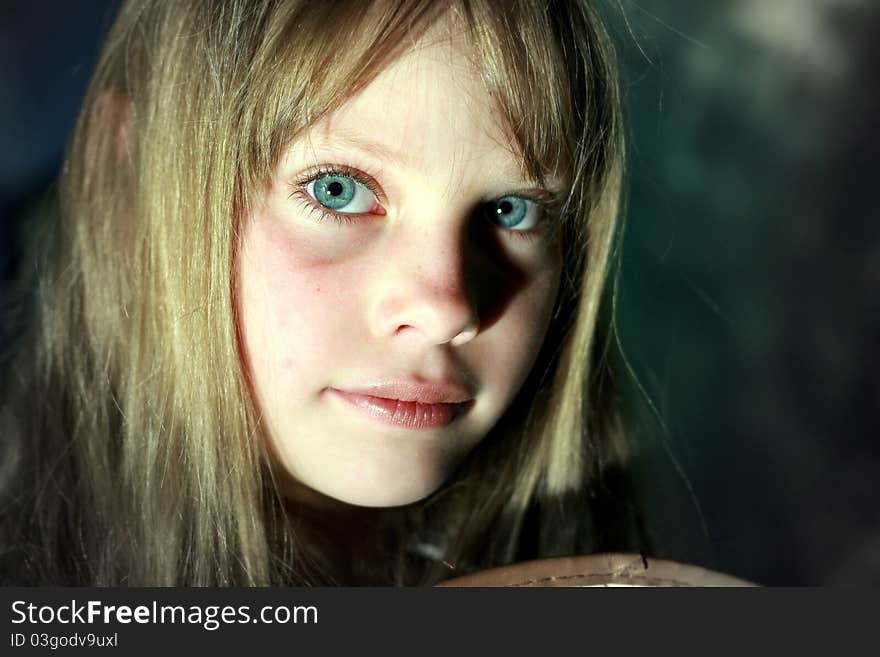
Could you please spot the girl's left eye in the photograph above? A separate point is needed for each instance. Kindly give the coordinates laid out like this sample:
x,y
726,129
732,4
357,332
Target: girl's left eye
x,y
342,194
514,213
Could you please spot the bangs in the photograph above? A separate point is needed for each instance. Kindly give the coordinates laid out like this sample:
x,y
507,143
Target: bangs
x,y
543,65
551,69
523,70
305,69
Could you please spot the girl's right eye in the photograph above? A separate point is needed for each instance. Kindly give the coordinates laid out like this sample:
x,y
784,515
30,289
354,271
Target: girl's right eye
x,y
343,194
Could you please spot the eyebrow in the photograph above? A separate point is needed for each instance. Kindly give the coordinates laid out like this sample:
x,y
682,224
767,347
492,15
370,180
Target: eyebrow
x,y
349,139
552,193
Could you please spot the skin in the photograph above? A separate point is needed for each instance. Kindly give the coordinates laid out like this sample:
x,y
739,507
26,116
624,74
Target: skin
x,y
422,287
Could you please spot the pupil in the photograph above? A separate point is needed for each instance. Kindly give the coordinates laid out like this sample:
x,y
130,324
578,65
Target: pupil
x,y
505,207
335,188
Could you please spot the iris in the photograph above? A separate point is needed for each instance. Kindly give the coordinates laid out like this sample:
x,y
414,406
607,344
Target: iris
x,y
335,192
514,212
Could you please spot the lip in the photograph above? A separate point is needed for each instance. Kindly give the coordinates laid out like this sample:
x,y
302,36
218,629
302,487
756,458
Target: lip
x,y
410,405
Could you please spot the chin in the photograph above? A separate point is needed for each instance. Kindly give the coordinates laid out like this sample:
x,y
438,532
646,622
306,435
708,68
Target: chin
x,y
374,472
390,494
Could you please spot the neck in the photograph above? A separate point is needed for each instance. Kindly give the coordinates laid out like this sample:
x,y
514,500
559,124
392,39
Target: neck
x,y
357,545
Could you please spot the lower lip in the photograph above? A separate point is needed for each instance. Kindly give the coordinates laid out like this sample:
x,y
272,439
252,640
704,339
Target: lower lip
x,y
406,414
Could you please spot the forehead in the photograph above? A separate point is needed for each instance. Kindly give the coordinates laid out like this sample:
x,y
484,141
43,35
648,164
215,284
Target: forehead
x,y
428,106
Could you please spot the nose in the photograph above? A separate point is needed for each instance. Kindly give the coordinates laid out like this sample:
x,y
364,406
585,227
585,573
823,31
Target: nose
x,y
424,290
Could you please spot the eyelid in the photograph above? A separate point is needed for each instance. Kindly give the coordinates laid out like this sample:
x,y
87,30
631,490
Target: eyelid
x,y
543,197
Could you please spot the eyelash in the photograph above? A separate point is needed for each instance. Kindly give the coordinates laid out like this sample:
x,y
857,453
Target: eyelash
x,y
322,212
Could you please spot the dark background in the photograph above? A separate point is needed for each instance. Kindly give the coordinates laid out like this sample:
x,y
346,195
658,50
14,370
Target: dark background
x,y
747,304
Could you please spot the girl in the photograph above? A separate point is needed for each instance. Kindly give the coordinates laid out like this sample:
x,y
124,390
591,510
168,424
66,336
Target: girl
x,y
320,305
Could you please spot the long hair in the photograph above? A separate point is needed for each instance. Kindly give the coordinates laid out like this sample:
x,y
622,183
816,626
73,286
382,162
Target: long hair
x,y
131,419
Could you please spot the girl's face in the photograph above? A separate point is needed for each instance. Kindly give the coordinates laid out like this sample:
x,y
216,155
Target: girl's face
x,y
394,284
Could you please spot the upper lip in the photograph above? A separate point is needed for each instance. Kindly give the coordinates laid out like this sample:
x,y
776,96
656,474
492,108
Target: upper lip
x,y
423,392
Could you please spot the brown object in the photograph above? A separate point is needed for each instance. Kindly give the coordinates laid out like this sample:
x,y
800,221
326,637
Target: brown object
x,y
598,570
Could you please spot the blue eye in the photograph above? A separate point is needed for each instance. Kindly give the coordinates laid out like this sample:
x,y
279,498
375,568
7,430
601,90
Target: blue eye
x,y
514,212
342,194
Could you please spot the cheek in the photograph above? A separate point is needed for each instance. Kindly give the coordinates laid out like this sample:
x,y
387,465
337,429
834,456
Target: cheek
x,y
291,300
532,311
519,334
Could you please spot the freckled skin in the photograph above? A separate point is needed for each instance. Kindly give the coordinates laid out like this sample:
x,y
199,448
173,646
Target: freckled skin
x,y
329,304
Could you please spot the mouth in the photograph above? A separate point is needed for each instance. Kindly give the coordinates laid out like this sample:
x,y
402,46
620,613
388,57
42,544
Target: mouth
x,y
409,405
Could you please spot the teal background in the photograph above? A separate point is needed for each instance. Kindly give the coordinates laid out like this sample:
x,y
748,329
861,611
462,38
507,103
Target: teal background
x,y
748,293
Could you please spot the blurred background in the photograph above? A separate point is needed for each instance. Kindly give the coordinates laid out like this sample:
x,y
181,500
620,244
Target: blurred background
x,y
747,299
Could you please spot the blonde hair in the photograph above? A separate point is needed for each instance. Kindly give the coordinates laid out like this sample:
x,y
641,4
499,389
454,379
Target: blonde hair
x,y
152,473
